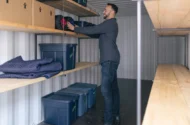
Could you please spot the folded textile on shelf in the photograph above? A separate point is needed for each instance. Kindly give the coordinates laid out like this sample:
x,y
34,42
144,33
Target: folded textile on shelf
x,y
18,68
29,75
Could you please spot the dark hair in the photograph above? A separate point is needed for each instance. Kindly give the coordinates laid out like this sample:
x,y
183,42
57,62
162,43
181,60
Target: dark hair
x,y
114,7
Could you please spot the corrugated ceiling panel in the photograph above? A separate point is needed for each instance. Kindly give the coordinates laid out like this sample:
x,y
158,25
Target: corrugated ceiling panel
x,y
126,7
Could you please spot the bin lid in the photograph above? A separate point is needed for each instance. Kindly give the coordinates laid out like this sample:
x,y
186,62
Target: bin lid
x,y
84,90
74,96
66,99
58,44
73,91
84,85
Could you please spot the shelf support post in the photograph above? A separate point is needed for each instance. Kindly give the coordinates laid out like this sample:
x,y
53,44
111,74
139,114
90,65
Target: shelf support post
x,y
186,51
36,42
79,45
139,41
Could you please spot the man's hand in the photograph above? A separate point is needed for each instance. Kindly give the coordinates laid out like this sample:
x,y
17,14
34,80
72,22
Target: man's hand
x,y
70,26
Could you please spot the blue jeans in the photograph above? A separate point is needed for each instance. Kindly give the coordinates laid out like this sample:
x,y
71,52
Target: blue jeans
x,y
110,91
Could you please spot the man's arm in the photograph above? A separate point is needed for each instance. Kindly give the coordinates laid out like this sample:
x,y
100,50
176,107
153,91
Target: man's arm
x,y
94,36
98,29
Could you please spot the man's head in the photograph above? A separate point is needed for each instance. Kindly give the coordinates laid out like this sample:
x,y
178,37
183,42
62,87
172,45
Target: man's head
x,y
110,11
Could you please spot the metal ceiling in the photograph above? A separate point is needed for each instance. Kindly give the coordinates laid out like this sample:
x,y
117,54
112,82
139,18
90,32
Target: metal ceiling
x,y
126,7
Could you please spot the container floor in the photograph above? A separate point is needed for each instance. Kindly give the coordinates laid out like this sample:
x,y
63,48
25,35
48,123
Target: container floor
x,y
128,104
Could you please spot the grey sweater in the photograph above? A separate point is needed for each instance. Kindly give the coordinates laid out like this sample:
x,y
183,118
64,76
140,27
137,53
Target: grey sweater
x,y
107,31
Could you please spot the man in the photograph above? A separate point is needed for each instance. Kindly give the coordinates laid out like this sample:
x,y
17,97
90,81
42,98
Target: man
x,y
109,60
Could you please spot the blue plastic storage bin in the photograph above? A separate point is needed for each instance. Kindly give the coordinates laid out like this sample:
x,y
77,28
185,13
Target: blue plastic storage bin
x,y
63,53
60,110
82,103
90,94
82,2
93,89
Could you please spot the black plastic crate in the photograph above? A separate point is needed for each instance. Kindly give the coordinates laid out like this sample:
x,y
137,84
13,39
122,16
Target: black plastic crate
x,y
60,110
87,24
60,52
83,24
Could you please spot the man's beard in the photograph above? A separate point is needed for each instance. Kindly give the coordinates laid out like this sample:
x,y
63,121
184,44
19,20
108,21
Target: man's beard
x,y
106,16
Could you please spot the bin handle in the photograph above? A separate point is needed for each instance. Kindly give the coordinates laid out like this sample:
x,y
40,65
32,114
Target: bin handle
x,y
25,5
40,9
50,13
7,1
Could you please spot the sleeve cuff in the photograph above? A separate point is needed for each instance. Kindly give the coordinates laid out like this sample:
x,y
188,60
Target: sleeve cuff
x,y
75,29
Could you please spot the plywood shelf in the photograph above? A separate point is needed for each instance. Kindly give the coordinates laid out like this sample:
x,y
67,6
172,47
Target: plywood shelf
x,y
166,106
4,25
11,84
182,73
169,101
173,33
169,14
72,7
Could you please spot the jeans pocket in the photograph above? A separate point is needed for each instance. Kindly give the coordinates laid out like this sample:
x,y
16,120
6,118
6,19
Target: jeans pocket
x,y
109,68
105,63
106,67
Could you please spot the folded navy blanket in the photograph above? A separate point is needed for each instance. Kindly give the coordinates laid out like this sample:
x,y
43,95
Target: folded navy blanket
x,y
29,75
18,65
18,68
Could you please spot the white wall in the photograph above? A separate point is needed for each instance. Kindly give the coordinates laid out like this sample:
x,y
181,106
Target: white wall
x,y
23,106
152,53
127,43
171,50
